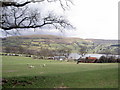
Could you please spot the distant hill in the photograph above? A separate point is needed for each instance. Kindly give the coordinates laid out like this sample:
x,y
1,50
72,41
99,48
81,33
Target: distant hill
x,y
102,41
46,38
41,41
36,42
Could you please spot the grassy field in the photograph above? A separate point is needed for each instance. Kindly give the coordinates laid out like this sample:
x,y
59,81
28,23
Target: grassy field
x,y
57,74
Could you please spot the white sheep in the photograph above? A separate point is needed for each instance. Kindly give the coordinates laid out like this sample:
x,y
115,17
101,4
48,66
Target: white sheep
x,y
31,66
44,65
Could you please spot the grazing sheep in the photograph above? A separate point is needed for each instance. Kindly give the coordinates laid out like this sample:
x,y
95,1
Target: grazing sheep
x,y
31,66
44,65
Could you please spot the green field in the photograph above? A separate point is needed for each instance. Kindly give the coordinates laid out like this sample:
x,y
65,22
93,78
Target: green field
x,y
57,74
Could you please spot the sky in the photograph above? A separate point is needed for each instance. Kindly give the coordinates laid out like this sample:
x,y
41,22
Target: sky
x,y
96,19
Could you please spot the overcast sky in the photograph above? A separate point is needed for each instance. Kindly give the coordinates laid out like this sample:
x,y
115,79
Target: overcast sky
x,y
92,18
95,18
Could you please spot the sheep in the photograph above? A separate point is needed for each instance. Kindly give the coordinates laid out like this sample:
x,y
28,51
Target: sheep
x,y
44,65
31,66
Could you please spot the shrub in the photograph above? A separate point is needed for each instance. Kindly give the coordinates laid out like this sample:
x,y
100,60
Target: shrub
x,y
105,59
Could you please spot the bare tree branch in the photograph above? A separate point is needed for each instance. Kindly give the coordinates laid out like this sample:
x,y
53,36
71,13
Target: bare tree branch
x,y
15,18
15,4
19,16
5,4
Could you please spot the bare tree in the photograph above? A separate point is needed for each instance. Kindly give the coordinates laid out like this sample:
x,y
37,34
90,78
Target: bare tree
x,y
19,16
107,51
83,48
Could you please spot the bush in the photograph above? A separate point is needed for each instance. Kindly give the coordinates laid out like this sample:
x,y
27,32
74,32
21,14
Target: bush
x,y
38,57
102,59
118,60
105,59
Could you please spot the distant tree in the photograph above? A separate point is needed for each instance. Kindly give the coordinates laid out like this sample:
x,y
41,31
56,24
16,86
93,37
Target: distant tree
x,y
64,52
83,48
116,51
7,49
102,59
43,52
11,49
105,59
29,52
107,51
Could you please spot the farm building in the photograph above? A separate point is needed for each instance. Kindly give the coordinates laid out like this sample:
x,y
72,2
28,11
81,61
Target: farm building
x,y
87,60
74,56
59,57
94,55
90,59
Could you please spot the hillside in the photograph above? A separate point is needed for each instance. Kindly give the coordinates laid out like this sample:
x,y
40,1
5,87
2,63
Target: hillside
x,y
44,38
36,42
102,41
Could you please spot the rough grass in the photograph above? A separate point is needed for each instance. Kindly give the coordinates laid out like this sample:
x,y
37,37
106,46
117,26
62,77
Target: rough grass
x,y
57,74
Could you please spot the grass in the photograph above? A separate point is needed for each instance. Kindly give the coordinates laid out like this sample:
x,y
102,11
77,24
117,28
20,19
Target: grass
x,y
57,74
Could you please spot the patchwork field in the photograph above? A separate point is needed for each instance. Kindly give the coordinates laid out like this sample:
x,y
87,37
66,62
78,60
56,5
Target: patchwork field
x,y
51,42
56,74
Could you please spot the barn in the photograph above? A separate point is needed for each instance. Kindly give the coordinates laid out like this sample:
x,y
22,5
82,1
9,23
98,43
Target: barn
x,y
87,60
90,59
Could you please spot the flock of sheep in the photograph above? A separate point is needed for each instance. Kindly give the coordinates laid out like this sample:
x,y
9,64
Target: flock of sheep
x,y
32,66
